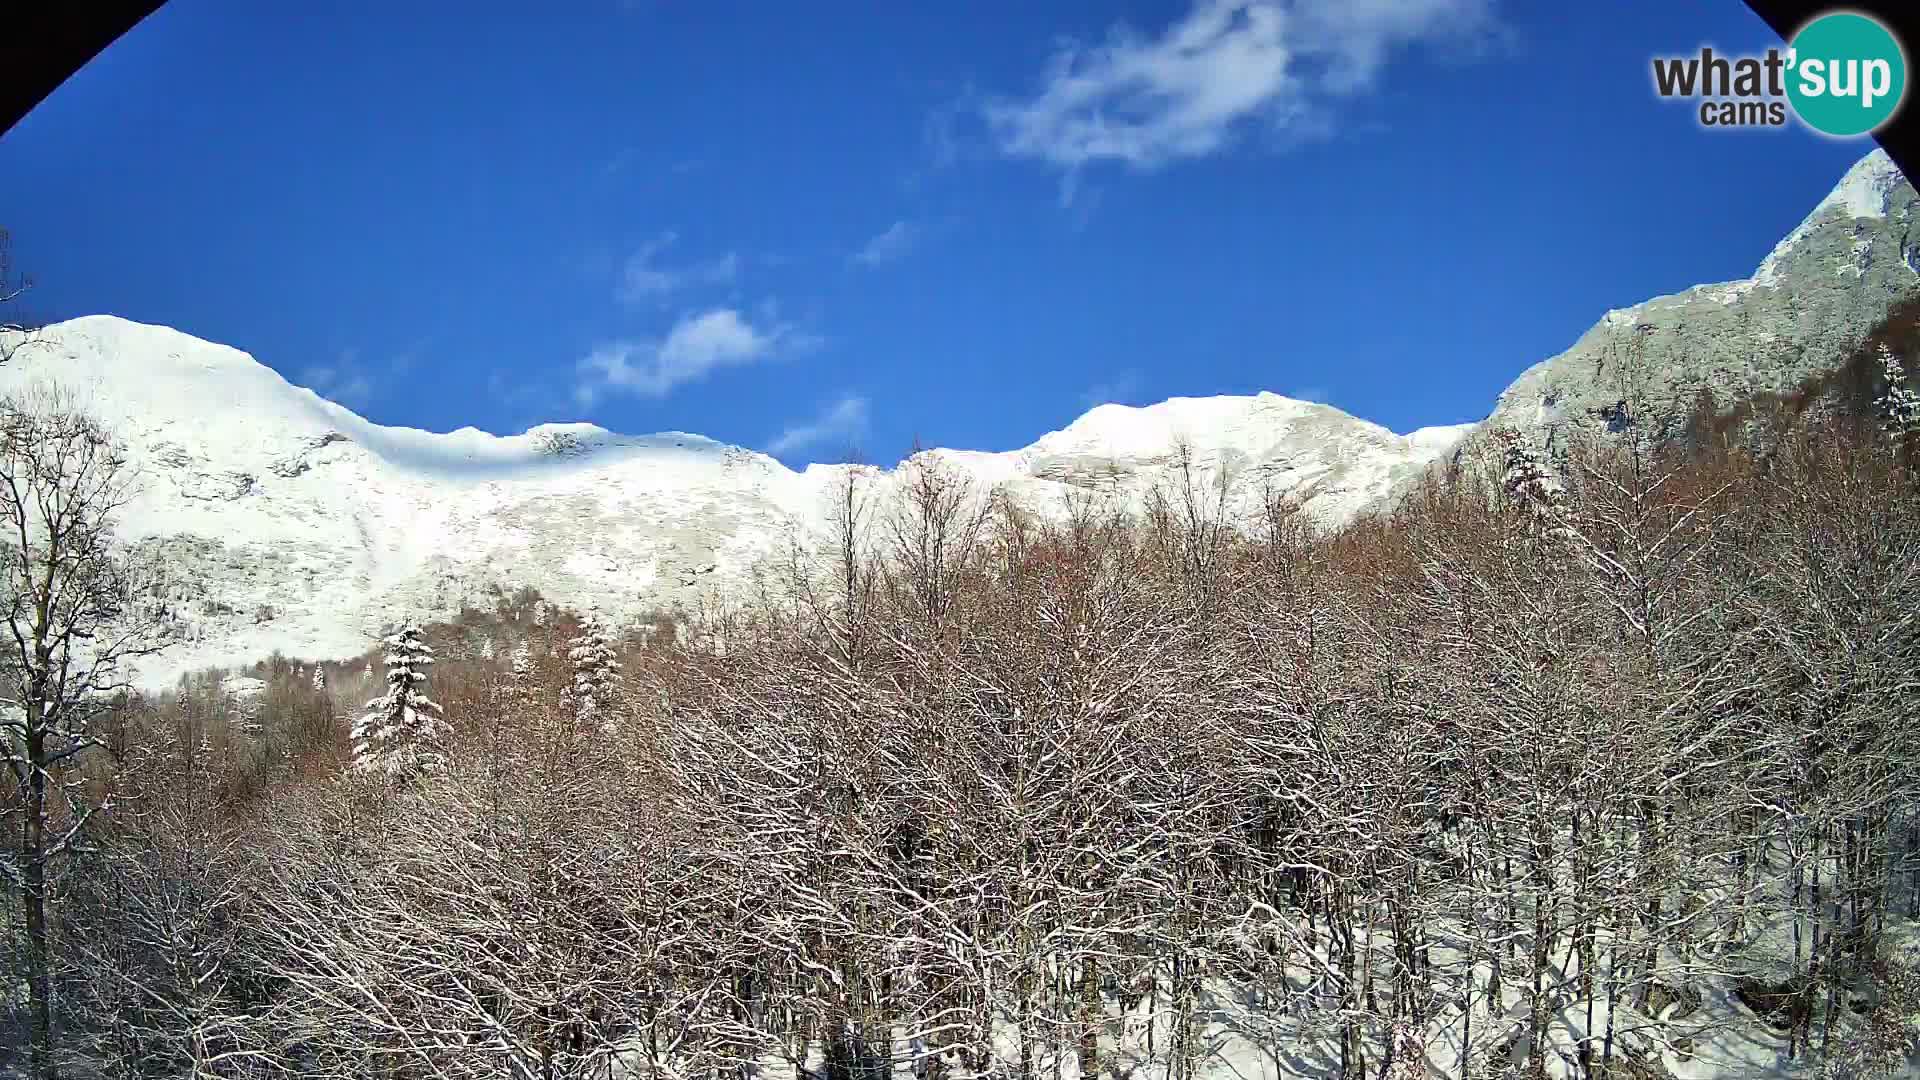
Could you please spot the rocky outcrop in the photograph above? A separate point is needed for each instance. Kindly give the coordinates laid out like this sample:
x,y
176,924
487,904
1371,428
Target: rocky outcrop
x,y
1801,313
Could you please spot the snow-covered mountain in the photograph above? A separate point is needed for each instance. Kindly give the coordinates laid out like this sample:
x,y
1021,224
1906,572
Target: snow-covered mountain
x,y
300,526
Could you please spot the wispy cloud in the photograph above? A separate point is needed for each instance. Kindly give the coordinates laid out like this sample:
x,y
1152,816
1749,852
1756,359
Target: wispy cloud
x,y
1082,201
844,420
696,346
346,380
940,135
1119,390
513,389
622,159
892,243
526,401
1226,67
645,277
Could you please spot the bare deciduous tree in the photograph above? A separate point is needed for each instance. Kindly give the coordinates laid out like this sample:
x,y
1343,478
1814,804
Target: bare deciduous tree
x,y
17,331
78,608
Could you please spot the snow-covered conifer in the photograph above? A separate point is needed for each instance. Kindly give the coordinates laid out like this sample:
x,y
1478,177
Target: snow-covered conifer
x,y
1899,406
319,679
1524,476
594,691
515,692
1528,481
400,731
249,719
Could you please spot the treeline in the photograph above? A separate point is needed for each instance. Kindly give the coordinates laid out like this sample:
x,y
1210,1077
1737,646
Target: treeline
x,y
1604,768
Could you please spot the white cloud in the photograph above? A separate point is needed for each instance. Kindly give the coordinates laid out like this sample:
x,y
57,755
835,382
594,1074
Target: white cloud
x,y
644,278
696,346
1226,66
940,137
345,381
893,243
845,419
1119,390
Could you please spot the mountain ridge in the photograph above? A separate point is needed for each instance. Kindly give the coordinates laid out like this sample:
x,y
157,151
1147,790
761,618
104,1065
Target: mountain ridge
x,y
299,526
1806,305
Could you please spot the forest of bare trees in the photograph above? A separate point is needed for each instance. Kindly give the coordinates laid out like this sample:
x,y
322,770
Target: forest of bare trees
x,y
1604,769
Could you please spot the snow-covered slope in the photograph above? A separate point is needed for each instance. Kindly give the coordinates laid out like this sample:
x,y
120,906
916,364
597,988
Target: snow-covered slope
x,y
299,526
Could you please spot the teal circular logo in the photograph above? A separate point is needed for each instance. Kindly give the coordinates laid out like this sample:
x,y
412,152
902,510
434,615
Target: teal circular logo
x,y
1847,74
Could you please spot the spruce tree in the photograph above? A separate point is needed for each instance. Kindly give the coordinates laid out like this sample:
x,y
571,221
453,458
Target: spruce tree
x,y
514,694
1899,406
593,695
400,732
1528,481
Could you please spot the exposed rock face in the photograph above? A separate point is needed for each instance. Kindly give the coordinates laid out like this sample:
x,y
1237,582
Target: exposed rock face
x,y
1804,309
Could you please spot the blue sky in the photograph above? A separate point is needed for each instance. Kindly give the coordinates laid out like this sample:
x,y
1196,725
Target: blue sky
x,y
814,227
